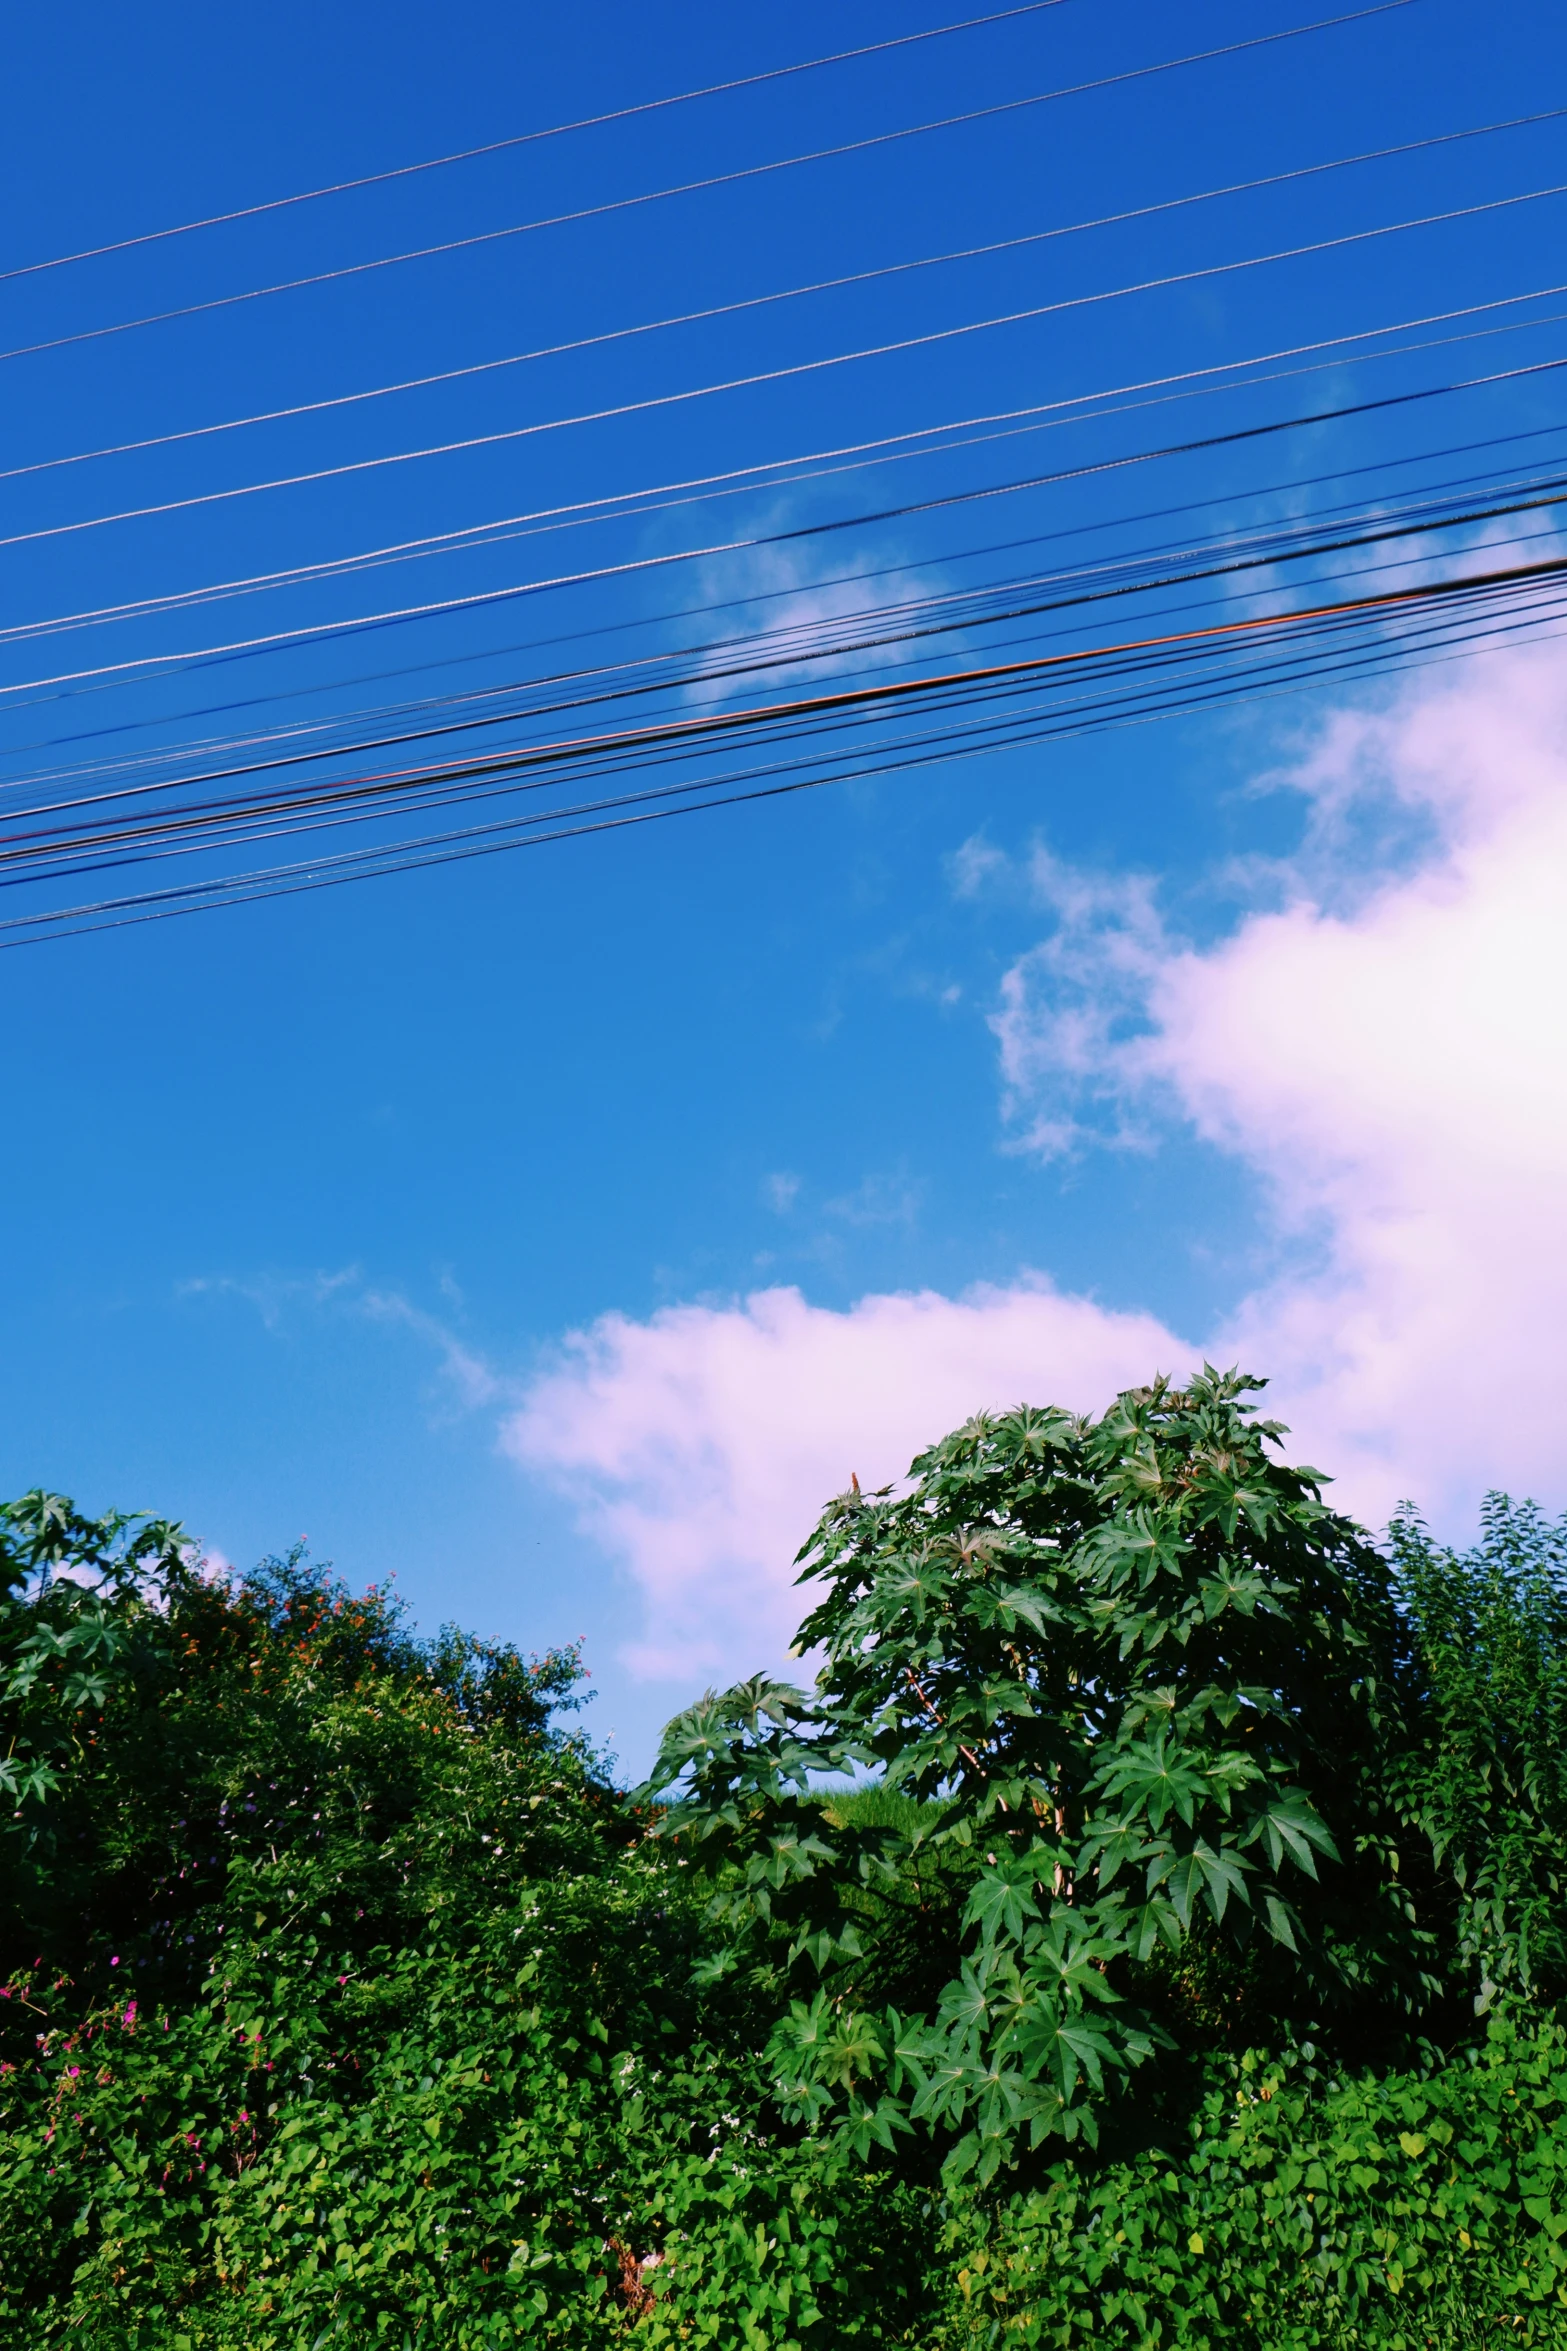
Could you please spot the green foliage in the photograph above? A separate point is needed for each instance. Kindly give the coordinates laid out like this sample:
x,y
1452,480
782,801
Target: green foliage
x,y
70,1607
1092,1960
356,2008
1484,1772
1302,2213
1137,1678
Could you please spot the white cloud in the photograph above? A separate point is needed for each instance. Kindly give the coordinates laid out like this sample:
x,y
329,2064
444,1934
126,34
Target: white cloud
x,y
703,1443
1074,1007
1381,1039
878,1200
797,597
1385,1046
1397,1073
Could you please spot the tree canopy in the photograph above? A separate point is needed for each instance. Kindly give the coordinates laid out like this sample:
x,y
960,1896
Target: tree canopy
x,y
1135,1678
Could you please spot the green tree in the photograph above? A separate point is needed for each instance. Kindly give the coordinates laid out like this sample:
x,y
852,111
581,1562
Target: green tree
x,y
76,1629
1138,1680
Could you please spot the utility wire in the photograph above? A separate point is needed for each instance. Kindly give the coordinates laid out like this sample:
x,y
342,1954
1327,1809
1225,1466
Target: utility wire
x,y
630,504
116,846
326,630
773,375
343,867
704,651
247,888
587,122
792,645
1268,550
453,375
694,187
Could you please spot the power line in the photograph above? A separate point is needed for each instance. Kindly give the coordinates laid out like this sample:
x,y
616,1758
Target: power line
x,y
773,375
923,619
1133,669
557,130
452,375
917,623
353,864
326,630
247,888
699,186
701,651
636,503
239,820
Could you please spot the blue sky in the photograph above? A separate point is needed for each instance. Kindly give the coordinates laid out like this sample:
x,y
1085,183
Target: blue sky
x,y
305,1200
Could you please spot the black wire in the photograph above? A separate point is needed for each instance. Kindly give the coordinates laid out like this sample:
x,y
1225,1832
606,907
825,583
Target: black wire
x,y
1464,592
153,906
1276,549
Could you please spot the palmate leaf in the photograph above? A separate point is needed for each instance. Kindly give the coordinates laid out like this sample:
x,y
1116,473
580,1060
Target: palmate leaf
x,y
1242,1591
25,1779
1064,2046
1106,1852
968,2003
1202,1872
864,2126
1151,1923
1145,1774
1070,1956
1227,1773
86,1689
789,1859
1007,1895
950,2082
827,1944
1009,1605
1218,1498
1281,1922
826,2043
1290,1824
48,1646
995,1699
1072,1657
1136,1549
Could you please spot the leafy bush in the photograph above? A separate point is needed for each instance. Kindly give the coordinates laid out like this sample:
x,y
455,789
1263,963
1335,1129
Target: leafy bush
x,y
1303,2213
1148,1935
363,2013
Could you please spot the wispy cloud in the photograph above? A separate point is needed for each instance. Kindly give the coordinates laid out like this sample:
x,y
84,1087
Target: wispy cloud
x,y
473,1382
274,1295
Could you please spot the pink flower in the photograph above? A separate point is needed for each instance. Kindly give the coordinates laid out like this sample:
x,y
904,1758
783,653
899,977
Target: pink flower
x,y
73,2071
